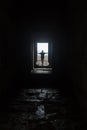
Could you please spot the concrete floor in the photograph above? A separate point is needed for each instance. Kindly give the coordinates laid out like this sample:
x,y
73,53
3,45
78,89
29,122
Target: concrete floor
x,y
41,109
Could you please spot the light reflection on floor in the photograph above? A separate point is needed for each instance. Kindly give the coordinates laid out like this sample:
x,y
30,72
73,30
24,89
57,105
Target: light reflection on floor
x,y
39,109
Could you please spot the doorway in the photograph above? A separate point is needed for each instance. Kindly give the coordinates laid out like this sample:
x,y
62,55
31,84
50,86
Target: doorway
x,y
42,55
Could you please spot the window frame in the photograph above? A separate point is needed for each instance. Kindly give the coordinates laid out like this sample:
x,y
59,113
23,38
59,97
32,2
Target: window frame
x,y
35,55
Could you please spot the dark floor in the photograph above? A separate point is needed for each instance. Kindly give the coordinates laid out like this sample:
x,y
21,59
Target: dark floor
x,y
41,109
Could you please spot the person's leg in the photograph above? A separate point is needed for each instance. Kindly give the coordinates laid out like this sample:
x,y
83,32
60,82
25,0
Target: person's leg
x,y
42,61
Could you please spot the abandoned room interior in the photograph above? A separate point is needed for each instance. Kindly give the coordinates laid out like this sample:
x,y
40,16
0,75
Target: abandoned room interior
x,y
43,66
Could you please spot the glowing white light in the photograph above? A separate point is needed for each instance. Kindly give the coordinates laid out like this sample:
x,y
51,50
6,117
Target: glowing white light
x,y
42,46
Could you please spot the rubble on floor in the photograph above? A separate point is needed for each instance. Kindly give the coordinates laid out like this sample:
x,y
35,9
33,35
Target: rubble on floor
x,y
40,109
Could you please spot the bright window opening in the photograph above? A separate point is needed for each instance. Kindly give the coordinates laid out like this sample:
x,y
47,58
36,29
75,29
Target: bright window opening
x,y
42,54
42,46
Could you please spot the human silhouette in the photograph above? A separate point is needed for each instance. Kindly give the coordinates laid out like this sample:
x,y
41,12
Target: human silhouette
x,y
42,56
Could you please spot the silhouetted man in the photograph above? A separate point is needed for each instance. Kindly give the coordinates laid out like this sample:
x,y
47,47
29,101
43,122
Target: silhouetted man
x,y
42,56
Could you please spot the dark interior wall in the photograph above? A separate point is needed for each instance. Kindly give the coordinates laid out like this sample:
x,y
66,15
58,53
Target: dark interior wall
x,y
3,50
80,57
7,50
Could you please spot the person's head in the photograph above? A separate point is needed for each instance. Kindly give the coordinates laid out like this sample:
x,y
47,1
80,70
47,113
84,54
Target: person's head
x,y
42,51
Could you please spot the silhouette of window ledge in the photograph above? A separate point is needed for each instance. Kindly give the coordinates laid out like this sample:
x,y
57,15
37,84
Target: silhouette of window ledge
x,y
41,71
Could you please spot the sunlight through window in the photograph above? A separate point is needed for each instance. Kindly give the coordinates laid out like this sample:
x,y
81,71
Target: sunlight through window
x,y
42,46
42,54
